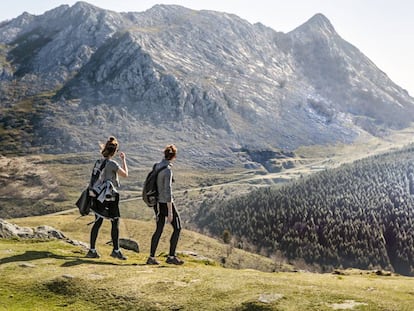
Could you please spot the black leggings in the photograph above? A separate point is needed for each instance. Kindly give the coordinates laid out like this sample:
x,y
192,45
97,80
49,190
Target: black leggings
x,y
161,211
114,231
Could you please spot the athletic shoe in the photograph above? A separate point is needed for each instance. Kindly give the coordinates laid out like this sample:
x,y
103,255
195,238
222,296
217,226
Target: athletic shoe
x,y
174,260
152,261
118,255
92,254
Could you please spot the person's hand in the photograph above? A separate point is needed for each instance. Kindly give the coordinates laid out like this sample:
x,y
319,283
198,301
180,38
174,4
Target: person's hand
x,y
170,218
122,155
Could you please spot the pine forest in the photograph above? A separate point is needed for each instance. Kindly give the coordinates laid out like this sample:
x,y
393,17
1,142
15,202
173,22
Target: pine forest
x,y
357,215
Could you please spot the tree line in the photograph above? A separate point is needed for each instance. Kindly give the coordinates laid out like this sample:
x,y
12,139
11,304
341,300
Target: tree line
x,y
357,215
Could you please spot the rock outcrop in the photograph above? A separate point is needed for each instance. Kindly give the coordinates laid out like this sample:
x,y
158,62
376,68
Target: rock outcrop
x,y
9,230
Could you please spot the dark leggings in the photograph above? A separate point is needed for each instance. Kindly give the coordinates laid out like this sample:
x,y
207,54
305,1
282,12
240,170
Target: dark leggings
x,y
161,211
114,231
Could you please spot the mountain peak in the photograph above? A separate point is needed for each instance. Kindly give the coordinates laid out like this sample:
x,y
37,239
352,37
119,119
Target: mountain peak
x,y
320,19
317,23
168,11
79,7
83,5
84,8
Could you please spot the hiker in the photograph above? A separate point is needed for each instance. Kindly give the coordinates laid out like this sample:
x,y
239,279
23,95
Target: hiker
x,y
165,208
106,202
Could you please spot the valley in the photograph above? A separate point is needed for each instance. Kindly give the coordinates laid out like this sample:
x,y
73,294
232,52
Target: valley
x,y
60,178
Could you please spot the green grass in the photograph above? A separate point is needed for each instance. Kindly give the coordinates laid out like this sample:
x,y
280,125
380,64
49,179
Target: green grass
x,y
54,275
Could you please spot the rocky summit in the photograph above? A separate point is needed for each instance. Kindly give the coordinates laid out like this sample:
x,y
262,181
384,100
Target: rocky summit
x,y
208,81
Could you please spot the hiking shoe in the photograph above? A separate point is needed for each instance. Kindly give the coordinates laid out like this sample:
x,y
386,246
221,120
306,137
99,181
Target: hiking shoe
x,y
92,254
152,261
118,255
174,260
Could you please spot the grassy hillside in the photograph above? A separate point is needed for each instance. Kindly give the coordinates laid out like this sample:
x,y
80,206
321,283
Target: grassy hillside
x,y
54,275
77,229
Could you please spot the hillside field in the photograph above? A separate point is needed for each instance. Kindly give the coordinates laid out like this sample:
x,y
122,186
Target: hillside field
x,y
54,275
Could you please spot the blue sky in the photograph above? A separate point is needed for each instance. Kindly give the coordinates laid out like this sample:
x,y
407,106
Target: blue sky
x,y
382,29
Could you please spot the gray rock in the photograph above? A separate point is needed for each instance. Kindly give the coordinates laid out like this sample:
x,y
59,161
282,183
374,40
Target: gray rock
x,y
78,243
127,243
9,230
47,232
270,298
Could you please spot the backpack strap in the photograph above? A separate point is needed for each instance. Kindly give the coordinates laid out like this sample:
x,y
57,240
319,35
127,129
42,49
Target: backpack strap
x,y
159,170
103,164
101,168
162,168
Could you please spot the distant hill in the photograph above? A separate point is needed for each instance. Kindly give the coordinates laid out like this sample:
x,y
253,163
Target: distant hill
x,y
209,81
358,215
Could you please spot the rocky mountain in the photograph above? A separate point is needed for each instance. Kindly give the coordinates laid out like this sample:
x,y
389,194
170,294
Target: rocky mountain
x,y
209,81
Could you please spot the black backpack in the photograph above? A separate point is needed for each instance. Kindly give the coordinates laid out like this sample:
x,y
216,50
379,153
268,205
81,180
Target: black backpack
x,y
84,202
150,189
96,173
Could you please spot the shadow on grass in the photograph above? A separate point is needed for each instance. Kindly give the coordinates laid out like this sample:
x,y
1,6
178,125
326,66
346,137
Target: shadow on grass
x,y
70,260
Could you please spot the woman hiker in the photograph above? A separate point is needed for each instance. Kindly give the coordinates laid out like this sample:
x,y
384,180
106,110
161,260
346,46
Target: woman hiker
x,y
165,208
106,197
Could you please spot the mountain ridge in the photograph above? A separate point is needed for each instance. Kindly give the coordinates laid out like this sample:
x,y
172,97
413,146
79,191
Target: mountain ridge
x,y
207,73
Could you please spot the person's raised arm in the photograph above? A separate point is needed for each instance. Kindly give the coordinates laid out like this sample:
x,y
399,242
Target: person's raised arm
x,y
123,170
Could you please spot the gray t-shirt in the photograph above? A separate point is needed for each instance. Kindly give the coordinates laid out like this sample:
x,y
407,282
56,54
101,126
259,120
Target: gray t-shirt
x,y
164,182
111,172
